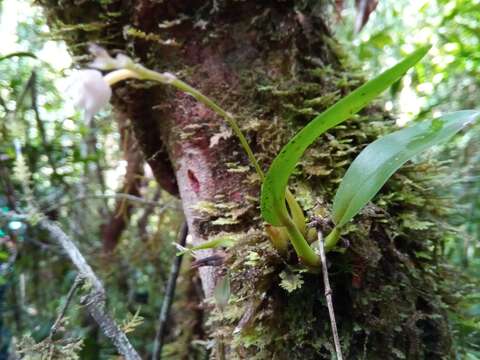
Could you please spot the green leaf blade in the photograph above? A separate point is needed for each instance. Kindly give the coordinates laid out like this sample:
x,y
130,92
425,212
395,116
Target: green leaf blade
x,y
273,188
379,160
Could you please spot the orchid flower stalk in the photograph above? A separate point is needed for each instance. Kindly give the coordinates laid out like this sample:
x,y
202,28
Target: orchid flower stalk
x,y
94,91
125,68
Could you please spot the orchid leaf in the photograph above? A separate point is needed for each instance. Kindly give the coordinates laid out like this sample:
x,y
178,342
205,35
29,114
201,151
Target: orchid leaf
x,y
379,160
273,205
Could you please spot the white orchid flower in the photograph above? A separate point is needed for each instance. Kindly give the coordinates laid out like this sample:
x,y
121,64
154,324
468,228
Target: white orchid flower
x,y
89,91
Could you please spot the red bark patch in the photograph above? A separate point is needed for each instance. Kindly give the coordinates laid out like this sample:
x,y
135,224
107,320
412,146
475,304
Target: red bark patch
x,y
194,183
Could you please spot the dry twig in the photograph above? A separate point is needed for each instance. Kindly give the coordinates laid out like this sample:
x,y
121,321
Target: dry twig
x,y
78,281
328,297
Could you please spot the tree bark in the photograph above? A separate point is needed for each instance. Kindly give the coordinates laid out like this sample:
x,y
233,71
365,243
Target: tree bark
x,y
275,64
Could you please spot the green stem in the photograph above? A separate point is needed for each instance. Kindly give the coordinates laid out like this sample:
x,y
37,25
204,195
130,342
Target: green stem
x,y
171,79
179,84
296,211
304,251
332,239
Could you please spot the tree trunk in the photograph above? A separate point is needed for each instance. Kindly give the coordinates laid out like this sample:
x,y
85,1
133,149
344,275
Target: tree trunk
x,y
274,64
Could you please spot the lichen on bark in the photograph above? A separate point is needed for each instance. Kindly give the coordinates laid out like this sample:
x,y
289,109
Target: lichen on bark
x,y
275,64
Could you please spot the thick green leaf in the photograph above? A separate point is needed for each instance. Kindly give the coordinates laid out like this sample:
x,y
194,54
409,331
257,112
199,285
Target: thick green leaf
x,y
379,160
273,189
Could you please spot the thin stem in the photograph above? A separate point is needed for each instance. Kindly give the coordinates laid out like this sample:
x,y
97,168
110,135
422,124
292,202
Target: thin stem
x,y
228,118
295,228
119,75
168,78
168,297
332,238
328,296
77,282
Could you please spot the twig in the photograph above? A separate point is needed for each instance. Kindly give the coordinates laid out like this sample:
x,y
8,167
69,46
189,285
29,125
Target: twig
x,y
168,297
114,196
94,301
78,281
328,296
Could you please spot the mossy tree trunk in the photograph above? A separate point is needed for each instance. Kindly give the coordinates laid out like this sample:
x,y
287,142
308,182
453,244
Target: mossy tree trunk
x,y
274,64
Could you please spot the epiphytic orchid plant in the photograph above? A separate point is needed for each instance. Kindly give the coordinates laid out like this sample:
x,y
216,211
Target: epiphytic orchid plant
x,y
285,218
368,172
